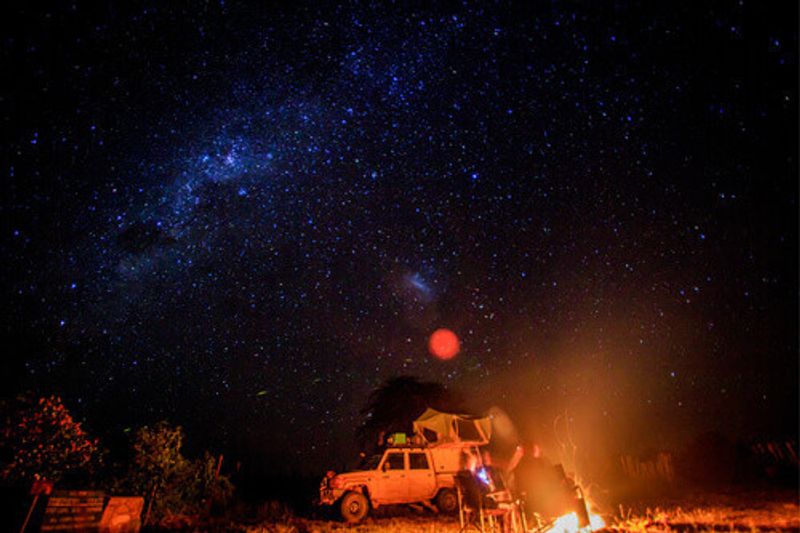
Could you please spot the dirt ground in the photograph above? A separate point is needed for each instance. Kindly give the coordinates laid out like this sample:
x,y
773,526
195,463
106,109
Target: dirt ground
x,y
729,511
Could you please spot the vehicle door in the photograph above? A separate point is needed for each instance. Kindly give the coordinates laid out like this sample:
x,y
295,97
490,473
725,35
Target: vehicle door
x,y
392,481
421,477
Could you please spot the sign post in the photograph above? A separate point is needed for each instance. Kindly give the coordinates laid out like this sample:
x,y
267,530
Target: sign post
x,y
39,487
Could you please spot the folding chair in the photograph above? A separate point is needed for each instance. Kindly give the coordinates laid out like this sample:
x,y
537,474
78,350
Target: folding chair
x,y
486,505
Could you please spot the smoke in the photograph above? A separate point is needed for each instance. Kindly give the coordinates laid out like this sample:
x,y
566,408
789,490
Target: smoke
x,y
503,428
583,402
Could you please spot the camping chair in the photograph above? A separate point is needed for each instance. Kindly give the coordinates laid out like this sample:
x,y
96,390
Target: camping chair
x,y
485,504
469,502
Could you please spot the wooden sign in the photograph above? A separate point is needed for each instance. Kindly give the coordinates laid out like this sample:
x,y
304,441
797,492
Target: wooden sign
x,y
73,510
122,514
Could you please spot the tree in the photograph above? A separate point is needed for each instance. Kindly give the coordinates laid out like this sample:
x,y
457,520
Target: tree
x,y
395,405
157,458
43,441
171,483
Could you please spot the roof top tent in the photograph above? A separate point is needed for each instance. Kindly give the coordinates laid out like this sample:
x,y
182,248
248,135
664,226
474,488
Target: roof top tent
x,y
439,429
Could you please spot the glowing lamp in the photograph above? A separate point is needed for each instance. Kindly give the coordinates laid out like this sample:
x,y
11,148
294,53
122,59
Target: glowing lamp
x,y
397,439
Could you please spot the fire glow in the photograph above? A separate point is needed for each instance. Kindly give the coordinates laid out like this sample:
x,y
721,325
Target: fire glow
x,y
569,523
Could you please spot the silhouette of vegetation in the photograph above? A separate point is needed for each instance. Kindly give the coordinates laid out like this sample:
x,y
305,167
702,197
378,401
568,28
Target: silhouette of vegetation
x,y
41,440
395,405
172,484
709,460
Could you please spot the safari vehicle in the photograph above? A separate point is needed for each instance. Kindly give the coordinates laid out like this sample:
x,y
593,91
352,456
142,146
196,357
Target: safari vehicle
x,y
421,469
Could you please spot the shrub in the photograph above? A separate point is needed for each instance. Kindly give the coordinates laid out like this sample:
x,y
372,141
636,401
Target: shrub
x,y
172,484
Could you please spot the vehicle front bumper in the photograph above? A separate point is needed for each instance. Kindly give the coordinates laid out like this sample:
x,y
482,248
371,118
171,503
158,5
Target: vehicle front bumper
x,y
328,496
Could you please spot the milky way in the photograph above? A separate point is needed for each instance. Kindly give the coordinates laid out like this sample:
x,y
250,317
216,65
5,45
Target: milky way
x,y
243,219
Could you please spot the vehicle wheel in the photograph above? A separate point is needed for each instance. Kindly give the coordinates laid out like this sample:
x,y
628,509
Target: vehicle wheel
x,y
447,501
354,507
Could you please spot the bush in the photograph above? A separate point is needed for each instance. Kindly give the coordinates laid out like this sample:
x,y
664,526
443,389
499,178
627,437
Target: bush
x,y
173,486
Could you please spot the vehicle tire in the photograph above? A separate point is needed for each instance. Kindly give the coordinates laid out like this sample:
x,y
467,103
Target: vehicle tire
x,y
447,501
353,507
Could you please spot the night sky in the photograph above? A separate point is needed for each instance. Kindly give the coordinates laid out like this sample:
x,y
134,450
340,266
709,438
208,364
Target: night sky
x,y
243,218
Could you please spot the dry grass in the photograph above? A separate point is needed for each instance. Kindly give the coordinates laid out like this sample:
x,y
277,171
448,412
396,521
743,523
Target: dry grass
x,y
750,511
371,525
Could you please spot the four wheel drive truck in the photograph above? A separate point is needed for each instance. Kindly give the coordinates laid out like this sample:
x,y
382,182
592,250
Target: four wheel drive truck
x,y
401,475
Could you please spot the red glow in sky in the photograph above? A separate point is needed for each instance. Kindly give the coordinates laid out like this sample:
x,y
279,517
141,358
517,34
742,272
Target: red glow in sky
x,y
444,344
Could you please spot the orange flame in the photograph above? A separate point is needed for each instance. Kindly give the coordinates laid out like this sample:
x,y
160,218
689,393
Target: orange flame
x,y
568,523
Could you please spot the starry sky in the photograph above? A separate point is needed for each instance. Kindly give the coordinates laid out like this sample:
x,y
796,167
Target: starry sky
x,y
243,217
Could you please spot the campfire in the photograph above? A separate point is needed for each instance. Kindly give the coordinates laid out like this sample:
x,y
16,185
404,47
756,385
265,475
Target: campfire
x,y
570,523
528,495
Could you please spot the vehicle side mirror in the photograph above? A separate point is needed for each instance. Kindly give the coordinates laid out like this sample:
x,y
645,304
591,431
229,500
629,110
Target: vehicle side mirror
x,y
385,467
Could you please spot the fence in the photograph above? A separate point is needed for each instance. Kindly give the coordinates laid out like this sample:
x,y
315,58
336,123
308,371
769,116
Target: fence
x,y
660,468
777,453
